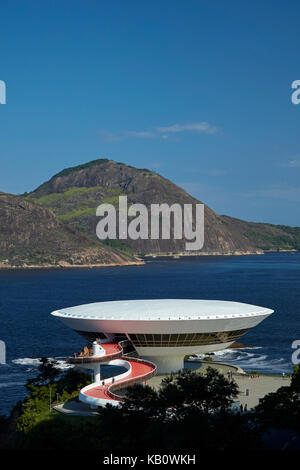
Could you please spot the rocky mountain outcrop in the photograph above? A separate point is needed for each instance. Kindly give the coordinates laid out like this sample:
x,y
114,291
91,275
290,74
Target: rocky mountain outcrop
x,y
32,235
74,194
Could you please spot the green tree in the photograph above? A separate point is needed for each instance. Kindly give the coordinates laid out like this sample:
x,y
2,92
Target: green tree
x,y
295,384
72,381
48,373
209,393
281,409
188,411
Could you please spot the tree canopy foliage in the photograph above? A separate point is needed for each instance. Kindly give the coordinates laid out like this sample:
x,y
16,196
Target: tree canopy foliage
x,y
189,412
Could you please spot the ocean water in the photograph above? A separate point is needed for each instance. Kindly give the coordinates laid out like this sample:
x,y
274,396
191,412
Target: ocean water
x,y
28,296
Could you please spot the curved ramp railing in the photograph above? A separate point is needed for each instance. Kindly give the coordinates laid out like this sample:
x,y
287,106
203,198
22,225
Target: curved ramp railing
x,y
112,351
148,371
138,370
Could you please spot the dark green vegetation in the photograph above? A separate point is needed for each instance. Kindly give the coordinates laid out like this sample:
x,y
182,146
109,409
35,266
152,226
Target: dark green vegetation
x,y
33,426
56,223
268,236
190,412
281,409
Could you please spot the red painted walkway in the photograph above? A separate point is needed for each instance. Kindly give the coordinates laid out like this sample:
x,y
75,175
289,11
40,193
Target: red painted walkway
x,y
141,370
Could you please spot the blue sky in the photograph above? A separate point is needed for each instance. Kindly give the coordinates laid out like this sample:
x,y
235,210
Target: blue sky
x,y
199,91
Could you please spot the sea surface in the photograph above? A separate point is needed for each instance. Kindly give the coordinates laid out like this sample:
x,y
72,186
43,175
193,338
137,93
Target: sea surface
x,y
28,296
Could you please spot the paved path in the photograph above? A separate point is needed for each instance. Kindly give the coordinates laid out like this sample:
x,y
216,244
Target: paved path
x,y
75,408
258,387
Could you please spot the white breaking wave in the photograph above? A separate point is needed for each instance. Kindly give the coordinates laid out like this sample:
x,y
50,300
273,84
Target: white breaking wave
x,y
31,364
251,360
27,361
247,358
30,361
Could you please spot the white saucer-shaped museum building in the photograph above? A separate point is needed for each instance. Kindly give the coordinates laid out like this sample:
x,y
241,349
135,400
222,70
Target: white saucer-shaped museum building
x,y
163,331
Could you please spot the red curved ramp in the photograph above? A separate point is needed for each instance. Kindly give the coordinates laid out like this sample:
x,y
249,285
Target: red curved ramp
x,y
138,370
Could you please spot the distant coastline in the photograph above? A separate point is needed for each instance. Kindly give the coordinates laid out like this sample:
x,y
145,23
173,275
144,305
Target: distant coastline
x,y
141,260
198,254
65,265
54,225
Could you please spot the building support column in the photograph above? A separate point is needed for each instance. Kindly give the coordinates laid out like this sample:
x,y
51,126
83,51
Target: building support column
x,y
166,364
97,373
